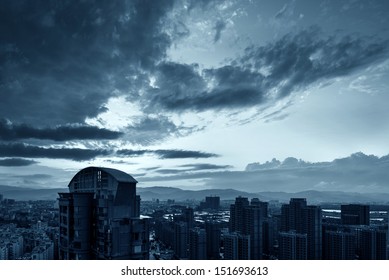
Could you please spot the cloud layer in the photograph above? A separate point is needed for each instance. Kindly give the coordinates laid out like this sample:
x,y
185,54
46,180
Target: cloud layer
x,y
356,173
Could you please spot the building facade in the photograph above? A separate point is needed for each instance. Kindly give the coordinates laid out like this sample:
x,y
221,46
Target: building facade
x,y
100,217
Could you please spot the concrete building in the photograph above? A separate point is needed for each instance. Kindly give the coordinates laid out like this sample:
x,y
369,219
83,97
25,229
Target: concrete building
x,y
100,219
211,203
293,246
305,219
355,214
213,232
371,243
248,219
197,244
339,245
236,246
181,239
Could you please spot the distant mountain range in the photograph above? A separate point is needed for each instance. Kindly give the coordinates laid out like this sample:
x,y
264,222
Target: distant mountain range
x,y
165,193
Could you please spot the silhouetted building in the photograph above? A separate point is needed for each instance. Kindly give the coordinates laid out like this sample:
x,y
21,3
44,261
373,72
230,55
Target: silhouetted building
x,y
188,216
100,219
339,245
236,246
197,244
213,233
181,238
211,202
292,246
299,217
355,214
269,233
371,243
237,214
247,219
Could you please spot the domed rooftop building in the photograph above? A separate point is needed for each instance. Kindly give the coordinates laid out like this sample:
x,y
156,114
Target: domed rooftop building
x,y
100,217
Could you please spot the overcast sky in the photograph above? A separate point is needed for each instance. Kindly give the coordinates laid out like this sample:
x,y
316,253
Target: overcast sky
x,y
188,93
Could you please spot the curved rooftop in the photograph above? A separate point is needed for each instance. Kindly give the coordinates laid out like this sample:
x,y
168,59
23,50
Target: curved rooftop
x,y
119,175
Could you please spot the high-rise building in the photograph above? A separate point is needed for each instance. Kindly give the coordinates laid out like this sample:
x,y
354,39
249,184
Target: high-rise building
x,y
236,246
247,219
339,245
371,242
292,246
213,232
211,202
355,214
181,238
305,219
100,217
237,214
197,244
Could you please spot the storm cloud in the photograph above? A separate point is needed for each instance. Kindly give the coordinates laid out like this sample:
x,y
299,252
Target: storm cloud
x,y
14,162
356,173
61,62
166,154
28,151
264,74
11,132
147,130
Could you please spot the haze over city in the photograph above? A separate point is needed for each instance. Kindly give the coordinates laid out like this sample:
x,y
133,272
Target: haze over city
x,y
251,95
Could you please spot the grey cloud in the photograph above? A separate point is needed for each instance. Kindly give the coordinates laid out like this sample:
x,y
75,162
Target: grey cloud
x,y
147,130
265,74
192,167
357,173
170,171
14,162
166,154
171,154
219,27
11,132
296,62
281,12
182,87
22,150
61,62
34,176
205,166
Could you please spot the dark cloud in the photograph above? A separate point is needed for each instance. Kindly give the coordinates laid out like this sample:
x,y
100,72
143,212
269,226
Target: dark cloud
x,y
192,167
62,61
11,132
22,150
182,87
263,74
14,162
118,162
296,62
166,154
35,176
204,166
170,171
147,130
219,27
357,173
281,12
170,154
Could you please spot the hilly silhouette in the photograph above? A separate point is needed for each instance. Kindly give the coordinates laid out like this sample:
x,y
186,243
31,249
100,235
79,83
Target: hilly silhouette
x,y
178,194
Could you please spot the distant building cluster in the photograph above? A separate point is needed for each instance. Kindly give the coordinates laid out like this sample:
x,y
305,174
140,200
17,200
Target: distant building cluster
x,y
28,230
292,231
101,217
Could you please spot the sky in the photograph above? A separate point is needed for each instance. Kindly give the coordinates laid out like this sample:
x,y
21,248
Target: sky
x,y
251,95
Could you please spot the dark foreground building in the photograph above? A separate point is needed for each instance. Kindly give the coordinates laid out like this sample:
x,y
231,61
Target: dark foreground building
x,y
100,219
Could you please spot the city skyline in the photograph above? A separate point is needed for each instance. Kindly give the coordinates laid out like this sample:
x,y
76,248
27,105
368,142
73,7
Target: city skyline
x,y
253,95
